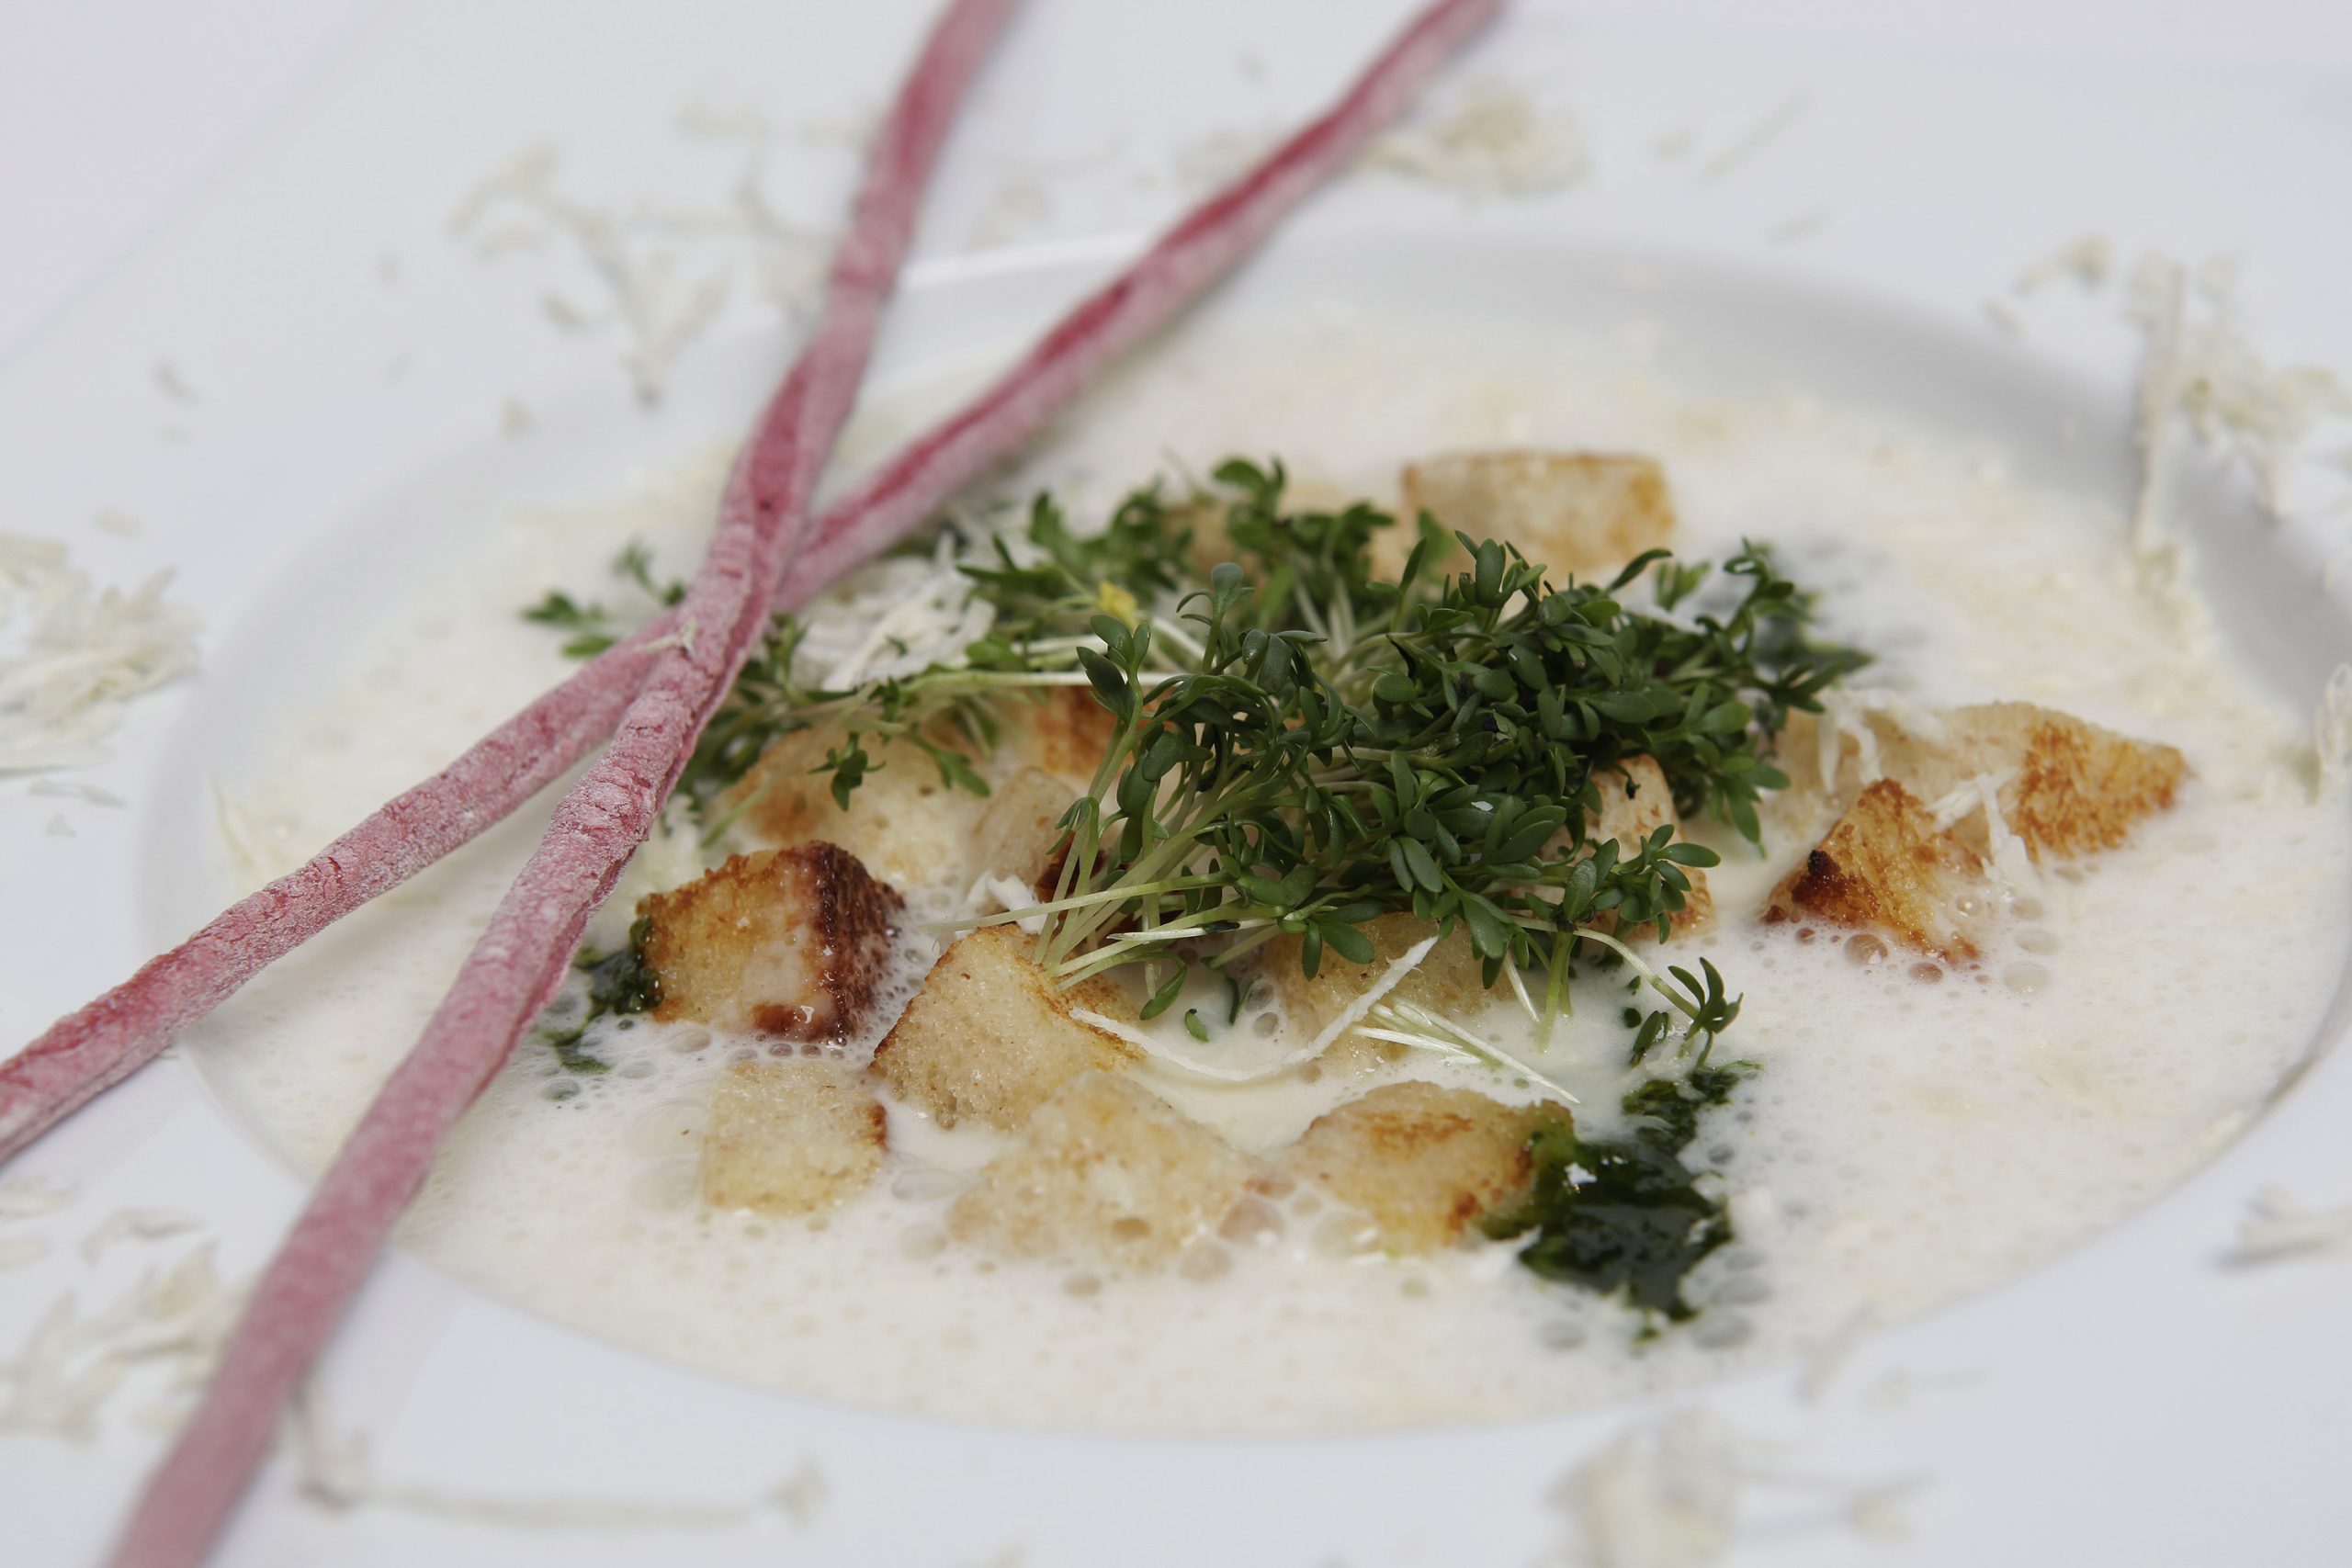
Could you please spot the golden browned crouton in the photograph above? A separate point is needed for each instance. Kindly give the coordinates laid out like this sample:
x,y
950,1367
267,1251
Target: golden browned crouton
x,y
1357,1055
907,825
790,1134
1448,980
1064,735
1021,827
1211,543
1422,1163
2075,787
1105,1172
2081,788
990,1037
1887,866
788,942
1635,803
1211,546
1582,514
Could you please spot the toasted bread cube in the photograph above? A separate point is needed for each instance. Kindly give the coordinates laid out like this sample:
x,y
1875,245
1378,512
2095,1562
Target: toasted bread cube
x,y
1420,1162
1635,803
1448,980
1885,864
1206,516
1105,1172
790,1135
1582,514
1022,827
909,824
2077,787
1064,736
991,1038
792,943
1212,545
1356,1055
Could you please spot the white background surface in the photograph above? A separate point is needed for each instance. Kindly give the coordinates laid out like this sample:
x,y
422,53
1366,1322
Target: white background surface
x,y
220,187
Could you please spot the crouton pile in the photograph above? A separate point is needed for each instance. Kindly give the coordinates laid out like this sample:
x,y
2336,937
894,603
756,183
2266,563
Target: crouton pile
x,y
2061,786
1101,1172
789,943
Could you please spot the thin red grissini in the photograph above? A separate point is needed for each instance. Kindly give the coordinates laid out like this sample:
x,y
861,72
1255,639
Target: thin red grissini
x,y
521,958
89,1051
511,976
1205,245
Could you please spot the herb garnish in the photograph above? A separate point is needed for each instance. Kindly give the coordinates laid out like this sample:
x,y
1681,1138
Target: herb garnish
x,y
1324,746
1304,745
1308,750
618,982
1625,1215
593,627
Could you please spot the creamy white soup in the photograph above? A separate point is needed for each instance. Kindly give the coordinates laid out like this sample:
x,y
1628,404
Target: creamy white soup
x,y
1914,1119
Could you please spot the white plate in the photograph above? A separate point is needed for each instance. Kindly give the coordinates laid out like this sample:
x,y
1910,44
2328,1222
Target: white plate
x,y
2133,1401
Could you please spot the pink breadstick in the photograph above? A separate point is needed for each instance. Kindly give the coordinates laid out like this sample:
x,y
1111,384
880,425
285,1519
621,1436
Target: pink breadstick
x,y
1200,249
88,1052
519,962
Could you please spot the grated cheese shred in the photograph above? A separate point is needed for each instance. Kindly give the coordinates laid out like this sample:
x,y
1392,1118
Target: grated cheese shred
x,y
2278,1227
1846,715
1488,140
337,1473
74,1364
1668,1493
2199,368
664,273
2332,729
2012,865
71,656
2088,262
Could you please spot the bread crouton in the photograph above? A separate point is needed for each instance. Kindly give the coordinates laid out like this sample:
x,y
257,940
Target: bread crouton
x,y
789,1135
791,944
1420,1162
1581,515
1358,1054
1021,827
1211,546
1635,803
2075,787
1105,1172
1448,980
1207,517
1064,736
910,826
990,1037
1887,866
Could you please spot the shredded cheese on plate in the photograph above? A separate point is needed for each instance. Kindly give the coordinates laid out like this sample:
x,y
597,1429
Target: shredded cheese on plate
x,y
71,656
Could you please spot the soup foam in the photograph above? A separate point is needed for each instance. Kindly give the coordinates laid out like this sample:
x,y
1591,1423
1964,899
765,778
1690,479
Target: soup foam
x,y
1909,1136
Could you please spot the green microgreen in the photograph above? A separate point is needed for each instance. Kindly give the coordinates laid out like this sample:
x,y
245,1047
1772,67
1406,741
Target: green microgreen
x,y
1304,742
592,625
618,983
1626,1215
